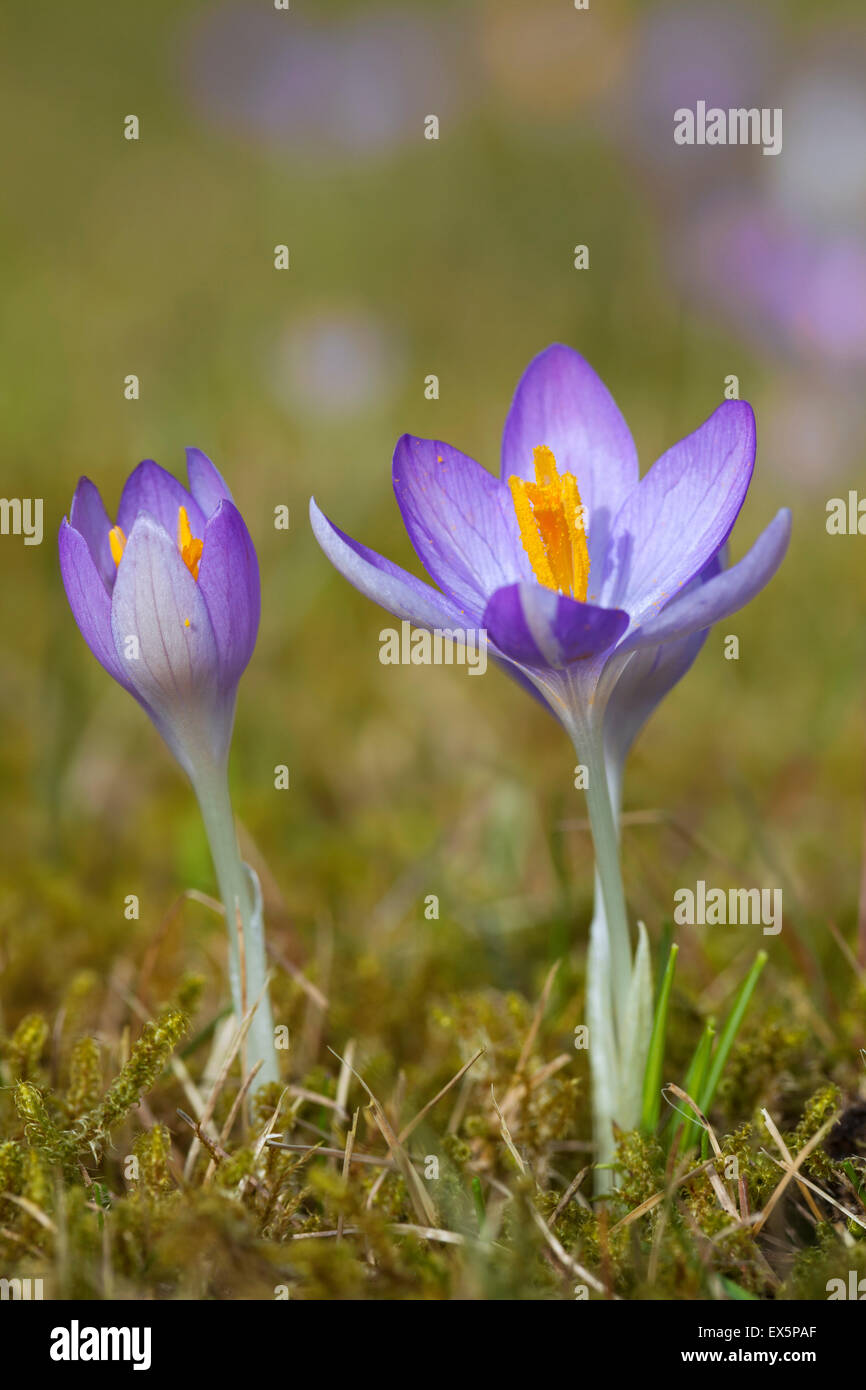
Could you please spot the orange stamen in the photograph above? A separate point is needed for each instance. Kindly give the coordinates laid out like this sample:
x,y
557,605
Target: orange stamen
x,y
552,526
190,546
117,541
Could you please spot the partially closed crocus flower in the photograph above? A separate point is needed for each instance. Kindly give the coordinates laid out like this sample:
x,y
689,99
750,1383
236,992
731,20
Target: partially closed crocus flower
x,y
167,598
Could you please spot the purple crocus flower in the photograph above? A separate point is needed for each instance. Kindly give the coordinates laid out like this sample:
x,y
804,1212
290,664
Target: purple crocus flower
x,y
594,589
574,588
167,599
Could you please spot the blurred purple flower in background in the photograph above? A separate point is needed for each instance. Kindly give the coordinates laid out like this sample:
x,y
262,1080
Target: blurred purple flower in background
x,y
344,86
775,248
335,363
718,53
800,290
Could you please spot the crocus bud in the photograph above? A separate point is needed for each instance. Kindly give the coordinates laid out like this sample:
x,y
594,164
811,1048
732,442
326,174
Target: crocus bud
x,y
167,598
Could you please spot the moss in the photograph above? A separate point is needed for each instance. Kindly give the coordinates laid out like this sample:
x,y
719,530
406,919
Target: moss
x,y
26,1046
264,1223
85,1077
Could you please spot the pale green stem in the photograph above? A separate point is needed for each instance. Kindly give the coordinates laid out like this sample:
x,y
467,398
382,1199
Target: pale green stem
x,y
236,890
605,838
609,958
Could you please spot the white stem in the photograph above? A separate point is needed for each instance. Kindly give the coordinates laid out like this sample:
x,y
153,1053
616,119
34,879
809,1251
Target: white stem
x,y
236,891
609,959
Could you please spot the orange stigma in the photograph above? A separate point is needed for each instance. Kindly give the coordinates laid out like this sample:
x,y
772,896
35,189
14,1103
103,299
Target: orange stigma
x,y
190,546
552,526
117,541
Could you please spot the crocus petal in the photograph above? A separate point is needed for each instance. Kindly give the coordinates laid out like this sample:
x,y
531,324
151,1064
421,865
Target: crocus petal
x,y
88,598
206,483
649,675
720,597
395,589
460,519
561,402
173,665
151,490
228,580
88,516
539,627
682,511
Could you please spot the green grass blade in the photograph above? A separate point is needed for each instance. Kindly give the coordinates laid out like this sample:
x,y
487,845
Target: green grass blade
x,y
651,1100
694,1080
729,1032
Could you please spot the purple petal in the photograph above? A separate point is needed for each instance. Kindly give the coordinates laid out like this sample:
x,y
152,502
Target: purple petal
x,y
561,402
157,601
157,494
228,579
460,519
682,511
649,676
88,516
88,599
539,627
708,603
382,581
206,483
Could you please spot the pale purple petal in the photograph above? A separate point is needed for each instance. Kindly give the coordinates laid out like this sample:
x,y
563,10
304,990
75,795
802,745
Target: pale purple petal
x,y
158,603
460,519
158,494
88,516
682,511
647,677
88,598
540,627
228,580
382,581
562,403
720,597
206,483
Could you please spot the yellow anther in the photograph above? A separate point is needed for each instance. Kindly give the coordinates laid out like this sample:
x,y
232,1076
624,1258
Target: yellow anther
x,y
117,541
186,622
190,546
552,526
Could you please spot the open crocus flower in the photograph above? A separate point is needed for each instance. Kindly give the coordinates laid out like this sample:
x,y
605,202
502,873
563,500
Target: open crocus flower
x,y
167,598
594,588
573,565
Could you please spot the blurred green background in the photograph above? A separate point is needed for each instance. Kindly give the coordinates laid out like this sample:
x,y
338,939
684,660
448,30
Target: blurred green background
x,y
409,257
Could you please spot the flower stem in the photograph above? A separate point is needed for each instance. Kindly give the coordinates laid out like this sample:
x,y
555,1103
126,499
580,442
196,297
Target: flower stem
x,y
605,838
609,958
236,890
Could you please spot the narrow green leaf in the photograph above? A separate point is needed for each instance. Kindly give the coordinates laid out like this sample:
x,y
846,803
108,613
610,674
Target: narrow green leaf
x,y
478,1202
692,1084
729,1032
651,1101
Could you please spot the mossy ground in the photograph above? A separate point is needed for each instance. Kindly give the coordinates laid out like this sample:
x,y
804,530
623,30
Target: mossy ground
x,y
104,1199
